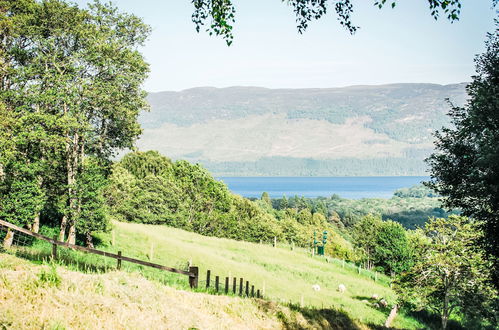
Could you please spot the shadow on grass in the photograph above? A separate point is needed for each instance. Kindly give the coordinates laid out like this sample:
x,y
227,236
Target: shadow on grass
x,y
430,320
308,317
64,259
433,321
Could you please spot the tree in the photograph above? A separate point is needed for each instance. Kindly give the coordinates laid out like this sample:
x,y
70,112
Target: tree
x,y
465,166
392,250
92,214
365,233
265,198
219,15
451,275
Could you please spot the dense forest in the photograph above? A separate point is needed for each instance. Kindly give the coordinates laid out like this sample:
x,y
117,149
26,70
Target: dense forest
x,y
291,166
410,207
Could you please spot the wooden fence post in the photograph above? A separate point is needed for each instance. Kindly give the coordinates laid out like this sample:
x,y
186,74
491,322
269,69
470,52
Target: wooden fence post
x,y
193,279
275,241
252,290
208,273
258,293
54,249
241,286
234,283
247,288
226,285
119,260
217,278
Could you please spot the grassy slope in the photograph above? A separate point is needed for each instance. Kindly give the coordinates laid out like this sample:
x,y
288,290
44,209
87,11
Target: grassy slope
x,y
287,275
118,300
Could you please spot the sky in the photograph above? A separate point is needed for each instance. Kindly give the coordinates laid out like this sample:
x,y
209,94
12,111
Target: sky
x,y
399,45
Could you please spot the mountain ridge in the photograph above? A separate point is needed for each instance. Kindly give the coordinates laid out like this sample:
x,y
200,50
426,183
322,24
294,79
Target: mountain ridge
x,y
250,125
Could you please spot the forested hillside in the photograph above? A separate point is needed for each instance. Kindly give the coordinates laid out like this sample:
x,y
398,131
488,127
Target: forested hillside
x,y
358,130
145,187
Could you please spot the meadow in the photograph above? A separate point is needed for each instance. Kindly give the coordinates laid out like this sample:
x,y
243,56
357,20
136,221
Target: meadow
x,y
285,275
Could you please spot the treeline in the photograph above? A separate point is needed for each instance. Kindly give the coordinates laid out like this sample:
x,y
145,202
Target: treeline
x,y
290,166
411,207
146,187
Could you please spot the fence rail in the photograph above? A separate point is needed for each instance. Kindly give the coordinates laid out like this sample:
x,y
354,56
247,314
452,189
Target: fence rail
x,y
193,272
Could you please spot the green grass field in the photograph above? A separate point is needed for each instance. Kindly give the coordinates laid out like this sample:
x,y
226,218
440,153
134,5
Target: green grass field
x,y
286,276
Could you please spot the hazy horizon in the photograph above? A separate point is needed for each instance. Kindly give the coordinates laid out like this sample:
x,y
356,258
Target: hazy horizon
x,y
400,45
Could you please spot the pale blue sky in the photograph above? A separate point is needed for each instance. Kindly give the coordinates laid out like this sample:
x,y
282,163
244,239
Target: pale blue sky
x,y
393,45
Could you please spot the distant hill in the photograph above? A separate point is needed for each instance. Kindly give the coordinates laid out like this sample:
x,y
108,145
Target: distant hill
x,y
357,130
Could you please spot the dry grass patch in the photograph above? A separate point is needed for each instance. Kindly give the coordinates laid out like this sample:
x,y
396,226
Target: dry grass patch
x,y
51,297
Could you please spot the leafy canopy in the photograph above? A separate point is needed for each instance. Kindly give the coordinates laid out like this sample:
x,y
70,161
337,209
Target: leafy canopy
x,y
451,275
219,15
465,166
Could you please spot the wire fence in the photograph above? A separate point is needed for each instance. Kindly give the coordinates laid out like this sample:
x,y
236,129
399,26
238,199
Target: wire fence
x,y
39,247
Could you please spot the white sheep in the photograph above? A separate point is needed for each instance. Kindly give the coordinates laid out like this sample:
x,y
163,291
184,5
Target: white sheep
x,y
375,297
383,303
342,288
316,287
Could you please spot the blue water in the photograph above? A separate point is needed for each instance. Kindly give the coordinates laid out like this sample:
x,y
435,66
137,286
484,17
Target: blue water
x,y
346,187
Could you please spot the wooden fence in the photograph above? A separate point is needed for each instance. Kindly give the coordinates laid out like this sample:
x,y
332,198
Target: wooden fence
x,y
231,286
193,272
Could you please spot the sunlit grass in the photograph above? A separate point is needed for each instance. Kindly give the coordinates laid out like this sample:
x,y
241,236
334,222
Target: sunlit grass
x,y
282,274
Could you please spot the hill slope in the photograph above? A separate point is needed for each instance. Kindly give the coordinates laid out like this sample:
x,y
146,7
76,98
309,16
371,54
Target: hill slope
x,y
286,275
358,130
118,300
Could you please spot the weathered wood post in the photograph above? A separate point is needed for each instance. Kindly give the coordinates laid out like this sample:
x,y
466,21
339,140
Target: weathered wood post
x,y
247,289
119,260
252,290
8,239
241,286
234,284
54,249
275,241
226,285
208,273
391,317
258,293
217,279
193,279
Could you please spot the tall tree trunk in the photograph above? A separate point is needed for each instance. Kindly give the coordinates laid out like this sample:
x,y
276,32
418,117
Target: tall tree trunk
x,y
62,232
72,234
445,309
444,322
35,227
9,238
72,166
